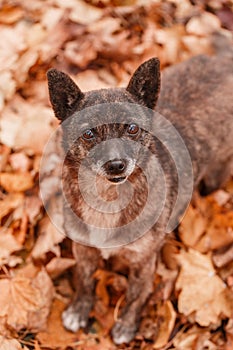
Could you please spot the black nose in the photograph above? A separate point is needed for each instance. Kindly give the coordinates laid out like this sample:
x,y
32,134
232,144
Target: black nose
x,y
115,167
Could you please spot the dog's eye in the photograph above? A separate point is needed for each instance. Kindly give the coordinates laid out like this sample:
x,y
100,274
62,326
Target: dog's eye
x,y
88,135
133,129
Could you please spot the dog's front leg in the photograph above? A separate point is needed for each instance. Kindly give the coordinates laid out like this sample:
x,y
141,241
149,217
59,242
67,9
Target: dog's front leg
x,y
141,278
76,315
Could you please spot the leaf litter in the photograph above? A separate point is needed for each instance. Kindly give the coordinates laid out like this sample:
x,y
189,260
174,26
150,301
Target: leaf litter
x,y
100,43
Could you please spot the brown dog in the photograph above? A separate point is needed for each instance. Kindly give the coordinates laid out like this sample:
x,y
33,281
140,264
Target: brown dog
x,y
111,135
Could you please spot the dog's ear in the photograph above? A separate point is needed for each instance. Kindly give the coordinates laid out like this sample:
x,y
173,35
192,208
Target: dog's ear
x,y
63,92
145,83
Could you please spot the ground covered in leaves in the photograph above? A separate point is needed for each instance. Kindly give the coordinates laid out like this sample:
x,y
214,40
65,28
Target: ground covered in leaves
x,y
100,43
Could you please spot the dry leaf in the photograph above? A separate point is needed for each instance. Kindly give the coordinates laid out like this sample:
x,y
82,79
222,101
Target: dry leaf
x,y
18,297
204,24
168,315
57,266
10,202
10,13
48,239
192,226
56,336
37,319
202,292
219,233
35,123
19,161
8,244
10,344
16,182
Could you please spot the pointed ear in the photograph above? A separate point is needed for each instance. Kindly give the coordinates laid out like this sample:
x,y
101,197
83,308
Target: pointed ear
x,y
145,83
63,92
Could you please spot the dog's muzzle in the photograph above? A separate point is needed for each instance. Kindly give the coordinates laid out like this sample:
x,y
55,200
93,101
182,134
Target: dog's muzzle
x,y
115,170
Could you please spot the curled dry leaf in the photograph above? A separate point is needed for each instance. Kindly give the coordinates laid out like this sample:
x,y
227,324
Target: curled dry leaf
x,y
168,316
202,292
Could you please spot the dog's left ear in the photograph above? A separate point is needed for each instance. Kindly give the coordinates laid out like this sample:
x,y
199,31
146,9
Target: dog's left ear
x,y
63,92
145,83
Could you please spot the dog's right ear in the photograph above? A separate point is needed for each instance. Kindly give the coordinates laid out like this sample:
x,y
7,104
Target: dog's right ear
x,y
63,92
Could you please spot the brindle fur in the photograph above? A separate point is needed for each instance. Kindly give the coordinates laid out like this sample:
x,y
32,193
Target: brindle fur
x,y
196,96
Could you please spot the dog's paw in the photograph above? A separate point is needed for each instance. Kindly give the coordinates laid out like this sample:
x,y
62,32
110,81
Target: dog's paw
x,y
75,317
122,333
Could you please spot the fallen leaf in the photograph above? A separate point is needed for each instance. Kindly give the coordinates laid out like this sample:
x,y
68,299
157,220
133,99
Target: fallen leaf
x,y
10,344
16,182
48,239
10,202
83,13
37,320
58,265
205,23
35,123
218,234
20,161
8,244
56,336
202,292
192,226
168,315
18,297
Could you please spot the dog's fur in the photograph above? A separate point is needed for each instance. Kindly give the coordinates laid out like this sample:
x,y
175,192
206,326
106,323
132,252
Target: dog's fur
x,y
196,97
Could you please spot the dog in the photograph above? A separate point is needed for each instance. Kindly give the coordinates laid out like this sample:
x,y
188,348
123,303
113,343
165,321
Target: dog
x,y
121,156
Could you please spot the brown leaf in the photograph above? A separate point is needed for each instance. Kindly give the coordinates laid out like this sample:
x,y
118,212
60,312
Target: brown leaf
x,y
35,123
16,182
57,266
19,161
37,319
202,292
10,202
204,24
48,239
219,233
168,315
56,336
83,13
10,344
18,297
10,13
8,244
192,226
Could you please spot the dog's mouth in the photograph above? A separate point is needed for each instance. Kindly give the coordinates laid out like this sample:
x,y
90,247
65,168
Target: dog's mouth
x,y
117,180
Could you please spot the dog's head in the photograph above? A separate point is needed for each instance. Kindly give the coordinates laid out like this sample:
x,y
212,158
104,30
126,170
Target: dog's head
x,y
105,128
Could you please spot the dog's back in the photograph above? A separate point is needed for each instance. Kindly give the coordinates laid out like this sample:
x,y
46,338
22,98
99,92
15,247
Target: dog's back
x,y
196,96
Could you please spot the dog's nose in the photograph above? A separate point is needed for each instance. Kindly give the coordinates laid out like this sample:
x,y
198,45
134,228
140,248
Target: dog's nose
x,y
115,167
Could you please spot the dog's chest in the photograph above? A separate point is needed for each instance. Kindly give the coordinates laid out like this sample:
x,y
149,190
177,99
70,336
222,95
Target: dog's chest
x,y
141,246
